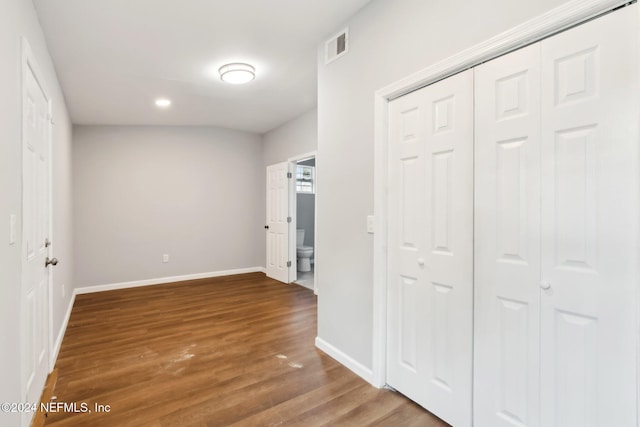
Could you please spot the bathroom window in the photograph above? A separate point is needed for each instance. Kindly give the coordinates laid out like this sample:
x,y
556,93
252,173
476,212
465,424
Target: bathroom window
x,y
305,178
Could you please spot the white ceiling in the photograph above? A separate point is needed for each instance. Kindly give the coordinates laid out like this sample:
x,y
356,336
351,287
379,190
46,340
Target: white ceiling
x,y
115,57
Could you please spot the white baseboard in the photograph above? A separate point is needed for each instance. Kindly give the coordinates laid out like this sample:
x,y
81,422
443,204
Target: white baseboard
x,y
355,366
53,357
163,280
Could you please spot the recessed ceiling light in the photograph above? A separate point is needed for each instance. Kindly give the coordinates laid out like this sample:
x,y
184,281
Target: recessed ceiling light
x,y
163,103
237,73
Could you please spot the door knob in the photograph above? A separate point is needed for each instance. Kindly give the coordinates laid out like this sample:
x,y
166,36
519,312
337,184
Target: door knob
x,y
53,261
545,285
421,262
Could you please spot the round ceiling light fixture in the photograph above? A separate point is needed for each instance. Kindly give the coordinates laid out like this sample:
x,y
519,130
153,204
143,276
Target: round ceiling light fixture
x,y
237,73
163,102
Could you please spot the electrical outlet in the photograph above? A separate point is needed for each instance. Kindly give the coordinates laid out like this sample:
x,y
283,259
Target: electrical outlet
x,y
165,258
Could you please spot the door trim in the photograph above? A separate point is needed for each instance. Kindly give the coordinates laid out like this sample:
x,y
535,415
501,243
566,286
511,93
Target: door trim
x,y
29,62
565,16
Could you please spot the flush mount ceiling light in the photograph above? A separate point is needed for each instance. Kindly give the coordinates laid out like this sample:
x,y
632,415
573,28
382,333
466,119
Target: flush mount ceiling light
x,y
163,103
237,73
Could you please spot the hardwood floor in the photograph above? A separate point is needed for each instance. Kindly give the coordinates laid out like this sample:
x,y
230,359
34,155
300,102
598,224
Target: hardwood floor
x,y
236,350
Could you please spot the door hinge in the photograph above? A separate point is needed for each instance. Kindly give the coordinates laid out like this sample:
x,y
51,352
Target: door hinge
x,y
288,263
289,175
289,219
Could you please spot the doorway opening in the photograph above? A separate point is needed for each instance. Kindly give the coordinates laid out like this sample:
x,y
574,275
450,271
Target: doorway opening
x,y
291,221
305,219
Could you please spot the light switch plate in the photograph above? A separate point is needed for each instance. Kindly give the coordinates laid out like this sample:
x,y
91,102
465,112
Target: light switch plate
x,y
370,224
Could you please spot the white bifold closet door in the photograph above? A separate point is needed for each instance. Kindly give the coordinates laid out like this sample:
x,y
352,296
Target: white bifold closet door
x,y
430,256
556,222
507,240
589,213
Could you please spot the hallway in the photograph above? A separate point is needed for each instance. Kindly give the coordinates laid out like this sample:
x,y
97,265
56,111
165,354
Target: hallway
x,y
236,350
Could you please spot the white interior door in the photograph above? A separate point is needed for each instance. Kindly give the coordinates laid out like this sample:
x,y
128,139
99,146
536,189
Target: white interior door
x,y
507,240
277,227
430,307
36,128
590,223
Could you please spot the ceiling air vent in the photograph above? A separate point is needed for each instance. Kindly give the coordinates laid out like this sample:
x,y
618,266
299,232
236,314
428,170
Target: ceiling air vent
x,y
337,46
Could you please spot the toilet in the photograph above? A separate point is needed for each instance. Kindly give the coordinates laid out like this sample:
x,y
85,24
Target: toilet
x,y
304,253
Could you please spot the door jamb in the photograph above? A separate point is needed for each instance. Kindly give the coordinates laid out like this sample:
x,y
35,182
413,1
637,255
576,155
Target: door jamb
x,y
544,25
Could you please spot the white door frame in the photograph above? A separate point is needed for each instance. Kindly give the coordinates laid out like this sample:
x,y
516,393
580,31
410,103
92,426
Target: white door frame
x,y
293,213
553,21
29,64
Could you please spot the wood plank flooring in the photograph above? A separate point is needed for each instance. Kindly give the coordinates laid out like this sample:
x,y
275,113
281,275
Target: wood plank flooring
x,y
237,350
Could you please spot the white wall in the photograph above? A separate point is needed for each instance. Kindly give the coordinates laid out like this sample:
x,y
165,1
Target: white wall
x,y
18,18
295,137
194,193
388,41
62,234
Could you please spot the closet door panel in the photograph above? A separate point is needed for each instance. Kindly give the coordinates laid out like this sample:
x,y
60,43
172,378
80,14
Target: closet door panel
x,y
507,250
406,290
449,247
589,223
430,293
